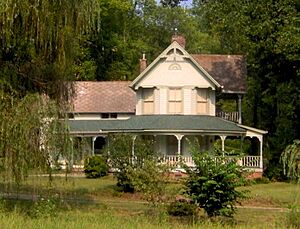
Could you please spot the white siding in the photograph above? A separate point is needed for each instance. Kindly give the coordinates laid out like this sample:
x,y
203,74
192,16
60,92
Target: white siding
x,y
139,103
163,92
187,101
156,101
187,75
212,105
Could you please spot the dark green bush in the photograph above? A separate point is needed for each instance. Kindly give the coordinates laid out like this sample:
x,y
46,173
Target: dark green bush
x,y
95,167
182,208
122,160
212,184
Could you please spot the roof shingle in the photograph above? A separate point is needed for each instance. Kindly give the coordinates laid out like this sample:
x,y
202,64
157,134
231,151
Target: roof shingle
x,y
228,70
104,97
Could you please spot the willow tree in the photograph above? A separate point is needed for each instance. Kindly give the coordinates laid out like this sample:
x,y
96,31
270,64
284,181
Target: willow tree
x,y
40,41
290,159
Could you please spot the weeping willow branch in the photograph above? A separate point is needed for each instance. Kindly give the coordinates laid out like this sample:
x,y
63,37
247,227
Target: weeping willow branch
x,y
31,134
291,160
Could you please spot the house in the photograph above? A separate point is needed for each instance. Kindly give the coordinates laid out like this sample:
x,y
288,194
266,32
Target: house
x,y
172,99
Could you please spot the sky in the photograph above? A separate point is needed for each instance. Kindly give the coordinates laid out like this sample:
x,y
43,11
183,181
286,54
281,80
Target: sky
x,y
187,3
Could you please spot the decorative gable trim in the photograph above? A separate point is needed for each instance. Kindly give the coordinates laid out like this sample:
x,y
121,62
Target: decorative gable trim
x,y
164,55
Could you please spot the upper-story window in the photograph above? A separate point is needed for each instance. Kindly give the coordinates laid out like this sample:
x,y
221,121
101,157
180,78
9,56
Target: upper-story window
x,y
202,103
175,101
148,100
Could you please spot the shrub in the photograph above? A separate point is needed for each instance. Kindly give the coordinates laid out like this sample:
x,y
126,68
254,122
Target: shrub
x,y
212,184
122,160
45,207
151,179
95,167
182,208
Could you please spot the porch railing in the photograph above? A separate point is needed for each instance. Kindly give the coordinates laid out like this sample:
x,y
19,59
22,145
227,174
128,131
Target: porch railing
x,y
230,116
251,162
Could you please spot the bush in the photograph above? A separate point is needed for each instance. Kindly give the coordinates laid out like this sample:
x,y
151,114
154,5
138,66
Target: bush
x,y
151,179
122,159
212,184
182,208
95,167
45,207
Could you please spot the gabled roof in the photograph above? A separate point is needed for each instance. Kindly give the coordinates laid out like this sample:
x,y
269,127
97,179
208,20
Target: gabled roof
x,y
157,124
229,70
103,97
163,55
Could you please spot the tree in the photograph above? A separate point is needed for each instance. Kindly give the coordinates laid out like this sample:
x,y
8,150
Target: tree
x,y
38,40
290,158
212,184
267,33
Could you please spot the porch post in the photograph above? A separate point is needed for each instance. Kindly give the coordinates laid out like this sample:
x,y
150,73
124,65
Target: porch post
x,y
223,137
132,149
179,137
260,138
240,108
93,145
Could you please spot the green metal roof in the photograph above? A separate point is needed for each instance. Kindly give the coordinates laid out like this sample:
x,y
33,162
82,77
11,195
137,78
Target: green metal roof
x,y
157,123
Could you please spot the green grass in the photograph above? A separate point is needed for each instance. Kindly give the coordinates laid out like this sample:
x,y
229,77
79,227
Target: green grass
x,y
95,203
277,194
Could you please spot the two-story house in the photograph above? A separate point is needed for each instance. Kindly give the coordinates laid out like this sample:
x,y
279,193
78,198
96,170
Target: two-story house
x,y
173,99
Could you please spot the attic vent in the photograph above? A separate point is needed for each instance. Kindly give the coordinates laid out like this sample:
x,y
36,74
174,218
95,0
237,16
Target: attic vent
x,y
179,52
174,67
170,52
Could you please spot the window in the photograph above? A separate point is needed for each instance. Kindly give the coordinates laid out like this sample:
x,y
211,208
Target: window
x,y
109,115
105,115
175,101
148,101
202,104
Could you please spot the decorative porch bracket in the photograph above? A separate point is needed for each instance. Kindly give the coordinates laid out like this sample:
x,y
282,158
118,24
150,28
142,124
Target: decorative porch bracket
x,y
179,137
223,137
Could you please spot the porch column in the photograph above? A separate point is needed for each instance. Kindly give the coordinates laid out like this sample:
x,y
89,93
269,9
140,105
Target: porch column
x,y
132,149
93,145
223,137
179,137
260,138
240,108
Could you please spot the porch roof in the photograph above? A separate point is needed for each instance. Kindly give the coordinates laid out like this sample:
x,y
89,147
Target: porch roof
x,y
157,124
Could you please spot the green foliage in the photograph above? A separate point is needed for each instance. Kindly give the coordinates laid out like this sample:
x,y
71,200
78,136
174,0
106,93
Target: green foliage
x,y
151,179
95,167
123,160
182,208
290,159
212,184
267,32
293,217
28,137
45,208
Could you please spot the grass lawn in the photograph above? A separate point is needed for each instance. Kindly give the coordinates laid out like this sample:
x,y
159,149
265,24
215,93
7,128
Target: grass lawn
x,y
95,203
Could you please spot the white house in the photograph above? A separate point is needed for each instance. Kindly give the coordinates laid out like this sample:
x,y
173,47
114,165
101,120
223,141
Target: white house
x,y
173,99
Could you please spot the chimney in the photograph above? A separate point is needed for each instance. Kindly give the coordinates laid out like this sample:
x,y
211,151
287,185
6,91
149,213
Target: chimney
x,y
143,63
180,40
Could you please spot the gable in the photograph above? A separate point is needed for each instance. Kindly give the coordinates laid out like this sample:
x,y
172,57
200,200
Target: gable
x,y
174,67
